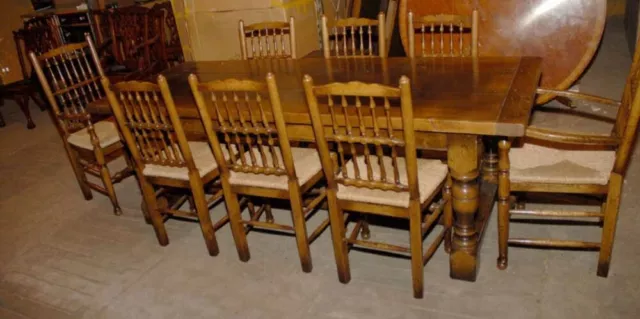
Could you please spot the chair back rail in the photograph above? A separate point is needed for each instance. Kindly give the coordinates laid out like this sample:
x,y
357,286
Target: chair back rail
x,y
272,39
354,37
70,77
360,116
443,34
243,113
149,122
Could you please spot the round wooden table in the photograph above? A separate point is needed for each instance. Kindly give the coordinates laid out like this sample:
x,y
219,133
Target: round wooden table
x,y
565,33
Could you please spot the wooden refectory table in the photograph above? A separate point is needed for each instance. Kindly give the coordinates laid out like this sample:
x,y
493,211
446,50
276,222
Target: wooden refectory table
x,y
462,105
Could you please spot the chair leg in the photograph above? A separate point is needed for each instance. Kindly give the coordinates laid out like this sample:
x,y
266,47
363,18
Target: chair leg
x,y
448,214
105,174
39,100
300,227
610,220
235,220
149,197
23,103
268,213
78,170
340,251
365,232
202,209
415,240
2,123
504,205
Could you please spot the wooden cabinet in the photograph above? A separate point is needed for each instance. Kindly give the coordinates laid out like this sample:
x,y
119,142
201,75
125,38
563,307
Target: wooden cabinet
x,y
10,12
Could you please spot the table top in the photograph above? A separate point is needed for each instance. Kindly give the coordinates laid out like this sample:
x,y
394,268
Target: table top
x,y
483,96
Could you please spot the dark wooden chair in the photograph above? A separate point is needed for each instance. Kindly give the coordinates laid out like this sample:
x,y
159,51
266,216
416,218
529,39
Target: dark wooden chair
x,y
443,35
376,170
354,37
172,44
137,44
36,37
70,78
163,157
552,161
247,116
268,40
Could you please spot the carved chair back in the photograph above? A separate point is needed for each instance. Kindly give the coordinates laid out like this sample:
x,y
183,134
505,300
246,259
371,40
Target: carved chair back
x,y
247,116
38,38
358,118
149,122
130,33
443,35
70,78
171,37
354,37
272,39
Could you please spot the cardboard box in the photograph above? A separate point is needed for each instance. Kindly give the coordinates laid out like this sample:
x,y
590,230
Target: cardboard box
x,y
210,35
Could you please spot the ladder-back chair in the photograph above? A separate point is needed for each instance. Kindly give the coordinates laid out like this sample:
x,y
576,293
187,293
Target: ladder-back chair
x,y
70,78
552,161
354,37
376,170
163,157
444,35
248,117
268,40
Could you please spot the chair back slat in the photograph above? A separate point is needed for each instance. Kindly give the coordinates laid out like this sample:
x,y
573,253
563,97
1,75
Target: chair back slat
x,y
149,123
247,116
267,40
70,79
443,35
354,37
358,118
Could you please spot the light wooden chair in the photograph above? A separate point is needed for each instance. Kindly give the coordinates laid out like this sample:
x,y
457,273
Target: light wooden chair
x,y
357,119
163,157
443,35
552,161
70,78
268,40
248,116
354,37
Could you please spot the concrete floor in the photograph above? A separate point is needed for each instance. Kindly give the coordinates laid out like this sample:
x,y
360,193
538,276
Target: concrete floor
x,y
64,257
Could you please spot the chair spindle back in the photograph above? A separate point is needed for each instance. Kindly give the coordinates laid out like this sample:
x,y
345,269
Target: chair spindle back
x,y
268,40
359,119
240,116
443,35
354,37
70,77
149,123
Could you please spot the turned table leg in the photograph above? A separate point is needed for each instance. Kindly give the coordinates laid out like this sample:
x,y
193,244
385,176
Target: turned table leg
x,y
490,158
463,160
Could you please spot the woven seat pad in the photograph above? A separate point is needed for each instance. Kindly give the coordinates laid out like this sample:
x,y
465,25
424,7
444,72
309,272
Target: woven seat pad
x,y
539,164
202,157
306,162
106,131
431,173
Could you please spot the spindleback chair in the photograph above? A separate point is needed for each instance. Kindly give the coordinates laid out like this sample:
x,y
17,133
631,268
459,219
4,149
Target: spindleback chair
x,y
369,175
268,40
172,44
354,37
70,78
443,35
553,161
163,157
247,116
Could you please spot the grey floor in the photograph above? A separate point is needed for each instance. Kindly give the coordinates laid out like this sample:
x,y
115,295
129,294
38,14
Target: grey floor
x,y
64,257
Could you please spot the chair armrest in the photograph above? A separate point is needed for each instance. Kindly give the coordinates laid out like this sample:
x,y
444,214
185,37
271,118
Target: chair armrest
x,y
579,96
571,138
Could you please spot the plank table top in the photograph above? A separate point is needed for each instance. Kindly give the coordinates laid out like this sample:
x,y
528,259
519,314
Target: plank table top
x,y
483,96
